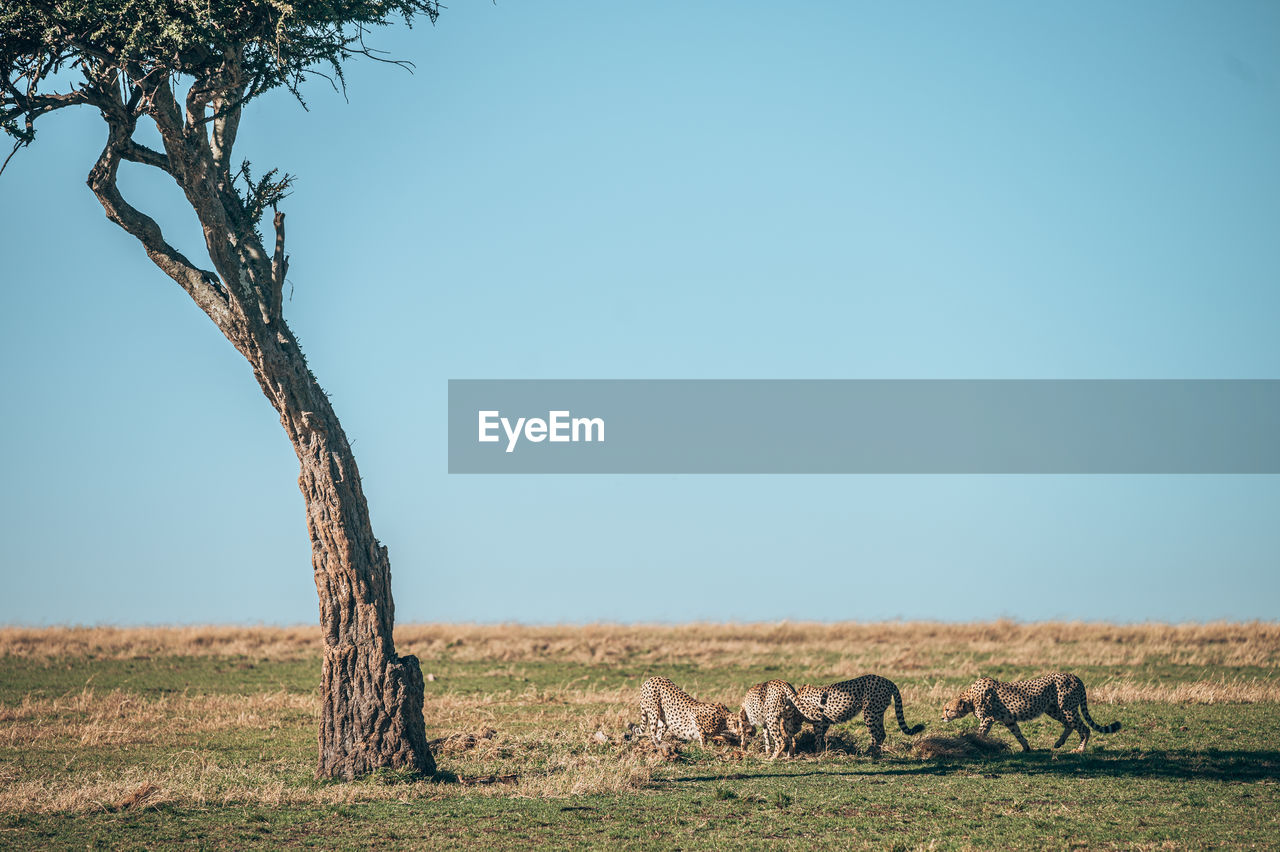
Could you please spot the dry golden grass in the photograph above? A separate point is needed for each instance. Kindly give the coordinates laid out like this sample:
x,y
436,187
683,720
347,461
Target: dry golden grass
x,y
1122,690
561,747
900,645
209,783
89,718
274,643
966,745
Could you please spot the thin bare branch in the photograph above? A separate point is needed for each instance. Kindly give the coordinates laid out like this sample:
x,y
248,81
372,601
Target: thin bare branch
x,y
279,268
138,153
29,107
17,146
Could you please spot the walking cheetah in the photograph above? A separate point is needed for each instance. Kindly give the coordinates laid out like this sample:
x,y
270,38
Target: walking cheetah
x,y
770,706
869,695
1058,695
666,706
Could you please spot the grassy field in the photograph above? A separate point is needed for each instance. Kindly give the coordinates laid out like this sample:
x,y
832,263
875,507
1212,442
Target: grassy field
x,y
206,736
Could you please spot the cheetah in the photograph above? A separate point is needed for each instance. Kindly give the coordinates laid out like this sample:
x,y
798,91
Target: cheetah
x,y
1059,696
666,706
869,695
770,706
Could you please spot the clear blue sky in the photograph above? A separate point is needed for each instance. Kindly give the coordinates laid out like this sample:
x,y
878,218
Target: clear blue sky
x,y
592,190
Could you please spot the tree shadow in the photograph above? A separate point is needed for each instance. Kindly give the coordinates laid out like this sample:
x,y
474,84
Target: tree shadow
x,y
445,777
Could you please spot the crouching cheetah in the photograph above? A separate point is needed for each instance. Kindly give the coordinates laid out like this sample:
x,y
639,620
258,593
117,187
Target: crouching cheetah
x,y
770,706
1059,696
869,695
667,707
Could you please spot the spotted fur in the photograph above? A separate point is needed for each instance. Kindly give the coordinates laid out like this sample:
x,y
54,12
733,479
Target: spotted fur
x,y
1059,696
869,695
771,708
667,707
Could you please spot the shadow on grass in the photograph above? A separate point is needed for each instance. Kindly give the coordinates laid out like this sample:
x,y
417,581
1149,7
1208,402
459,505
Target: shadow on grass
x,y
1185,764
444,776
1209,764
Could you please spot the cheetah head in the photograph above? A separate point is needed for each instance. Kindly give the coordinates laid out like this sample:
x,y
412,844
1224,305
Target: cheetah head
x,y
957,708
716,721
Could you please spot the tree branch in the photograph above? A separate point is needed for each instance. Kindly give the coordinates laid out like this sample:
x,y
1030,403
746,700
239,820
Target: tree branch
x,y
37,105
163,108
227,108
187,146
204,287
15,105
136,152
226,123
17,146
279,269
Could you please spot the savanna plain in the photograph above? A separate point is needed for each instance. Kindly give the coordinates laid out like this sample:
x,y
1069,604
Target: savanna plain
x,y
206,736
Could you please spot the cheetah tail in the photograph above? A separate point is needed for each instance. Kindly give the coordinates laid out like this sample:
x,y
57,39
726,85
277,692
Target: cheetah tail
x,y
902,720
1084,711
1102,729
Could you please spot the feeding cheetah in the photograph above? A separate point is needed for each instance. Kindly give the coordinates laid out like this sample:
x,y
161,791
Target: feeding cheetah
x,y
1058,695
667,707
869,695
770,706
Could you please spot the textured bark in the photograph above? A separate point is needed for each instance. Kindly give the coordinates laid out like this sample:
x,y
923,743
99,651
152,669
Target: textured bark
x,y
371,713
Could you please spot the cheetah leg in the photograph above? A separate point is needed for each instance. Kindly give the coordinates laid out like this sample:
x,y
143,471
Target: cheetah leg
x,y
984,725
659,728
1017,733
1069,723
787,737
766,734
779,742
651,727
875,724
780,739
819,737
1083,730
786,744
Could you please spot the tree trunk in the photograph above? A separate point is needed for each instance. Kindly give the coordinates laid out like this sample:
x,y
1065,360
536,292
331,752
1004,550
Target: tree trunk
x,y
371,714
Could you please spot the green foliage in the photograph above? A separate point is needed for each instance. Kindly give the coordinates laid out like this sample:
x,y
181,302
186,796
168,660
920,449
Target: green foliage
x,y
271,43
266,192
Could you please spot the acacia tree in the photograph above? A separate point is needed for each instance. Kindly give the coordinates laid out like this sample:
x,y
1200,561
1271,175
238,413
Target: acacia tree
x,y
190,67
